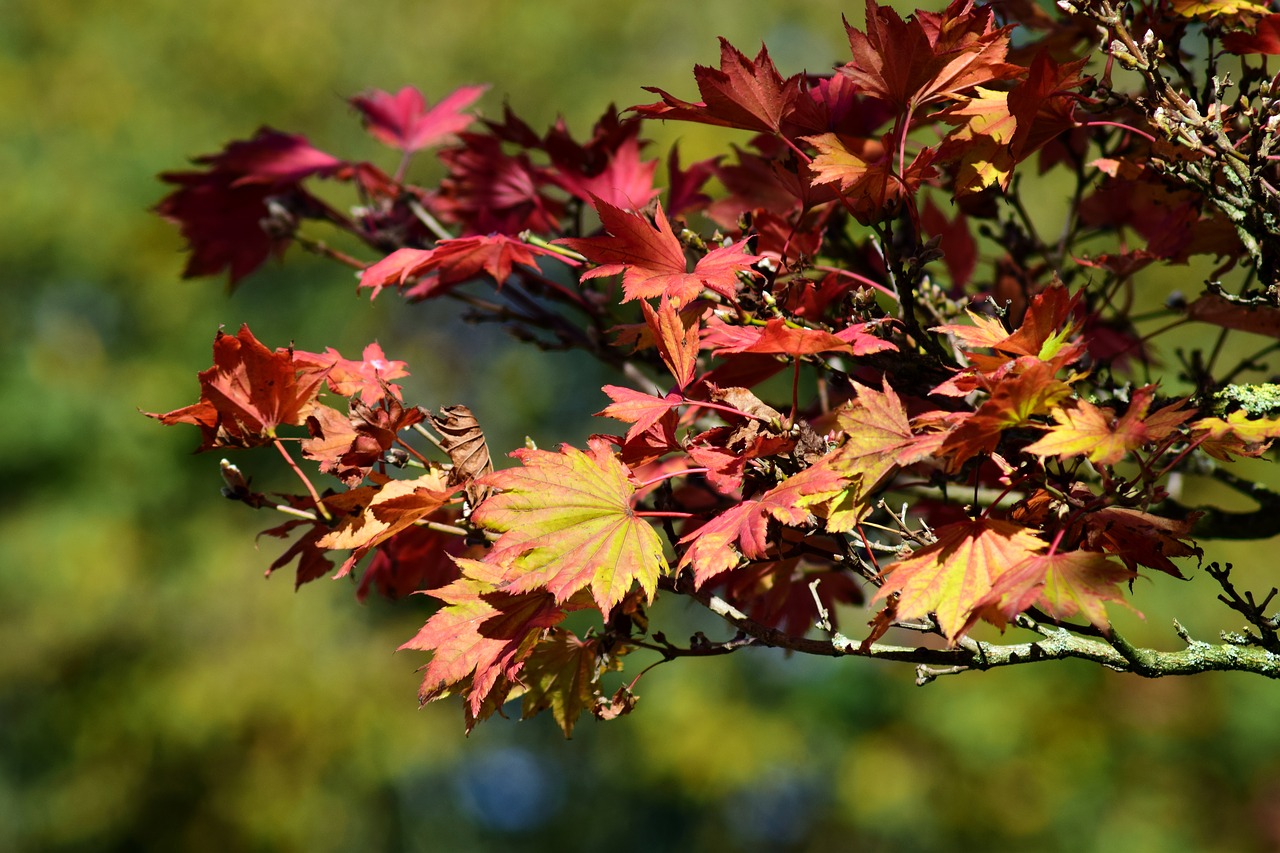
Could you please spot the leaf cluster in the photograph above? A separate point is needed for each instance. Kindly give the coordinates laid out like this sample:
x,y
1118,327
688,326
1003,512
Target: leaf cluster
x,y
869,245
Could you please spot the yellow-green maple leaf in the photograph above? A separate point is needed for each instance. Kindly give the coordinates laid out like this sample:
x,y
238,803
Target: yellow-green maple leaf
x,y
567,524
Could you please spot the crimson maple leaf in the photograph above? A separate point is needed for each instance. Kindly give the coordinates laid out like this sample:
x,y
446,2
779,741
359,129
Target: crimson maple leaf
x,y
248,392
625,180
567,524
417,558
776,336
929,57
652,260
220,211
403,120
953,577
640,410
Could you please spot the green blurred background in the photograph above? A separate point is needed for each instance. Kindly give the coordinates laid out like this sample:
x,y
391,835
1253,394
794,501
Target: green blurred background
x,y
156,694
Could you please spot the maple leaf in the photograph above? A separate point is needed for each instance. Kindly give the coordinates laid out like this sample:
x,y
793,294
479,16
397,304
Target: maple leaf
x,y
220,211
676,339
684,186
348,447
1264,39
1139,538
652,260
416,558
451,262
313,558
776,336
640,410
481,635
929,57
1044,334
1062,585
865,170
563,673
743,93
1235,435
396,505
1209,9
1083,429
403,120
624,181
711,548
248,392
953,577
367,378
1016,397
489,191
878,439
779,594
1221,310
567,524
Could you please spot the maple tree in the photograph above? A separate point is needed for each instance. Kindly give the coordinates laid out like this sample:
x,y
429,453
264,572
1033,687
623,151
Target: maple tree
x,y
858,381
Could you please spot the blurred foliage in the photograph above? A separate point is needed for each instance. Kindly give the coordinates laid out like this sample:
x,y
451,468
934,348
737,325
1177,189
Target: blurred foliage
x,y
155,695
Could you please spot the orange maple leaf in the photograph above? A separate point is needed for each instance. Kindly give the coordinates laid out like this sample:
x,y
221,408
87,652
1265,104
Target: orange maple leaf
x,y
953,577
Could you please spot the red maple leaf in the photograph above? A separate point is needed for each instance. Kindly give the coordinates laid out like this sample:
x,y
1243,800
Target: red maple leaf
x,y
1265,38
417,558
1139,538
778,593
652,260
742,530
624,181
451,262
1062,585
220,211
403,120
489,191
929,57
481,635
640,410
349,446
684,186
776,336
248,392
743,93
